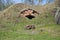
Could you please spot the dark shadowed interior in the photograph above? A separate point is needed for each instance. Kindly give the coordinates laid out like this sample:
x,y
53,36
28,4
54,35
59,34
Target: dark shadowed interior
x,y
30,16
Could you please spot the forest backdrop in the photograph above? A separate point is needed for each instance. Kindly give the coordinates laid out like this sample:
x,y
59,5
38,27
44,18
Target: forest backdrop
x,y
6,3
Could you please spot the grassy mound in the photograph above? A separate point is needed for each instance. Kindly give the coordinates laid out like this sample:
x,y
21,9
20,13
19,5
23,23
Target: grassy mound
x,y
13,28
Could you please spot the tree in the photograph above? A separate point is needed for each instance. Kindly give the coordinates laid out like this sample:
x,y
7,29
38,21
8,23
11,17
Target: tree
x,y
2,5
57,16
33,2
9,2
39,2
29,2
5,3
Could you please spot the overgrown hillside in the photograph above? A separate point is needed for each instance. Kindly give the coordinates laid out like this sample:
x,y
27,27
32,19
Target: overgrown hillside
x,y
12,27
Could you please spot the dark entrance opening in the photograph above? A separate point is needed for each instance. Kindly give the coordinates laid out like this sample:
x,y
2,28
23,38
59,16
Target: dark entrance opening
x,y
30,16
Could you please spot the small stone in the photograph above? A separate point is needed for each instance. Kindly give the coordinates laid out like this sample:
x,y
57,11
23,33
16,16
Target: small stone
x,y
28,27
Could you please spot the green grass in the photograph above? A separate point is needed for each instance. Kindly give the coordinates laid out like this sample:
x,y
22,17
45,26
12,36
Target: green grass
x,y
19,36
13,28
17,31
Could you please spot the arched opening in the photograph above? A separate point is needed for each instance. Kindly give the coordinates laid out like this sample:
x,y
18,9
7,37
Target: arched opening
x,y
30,16
29,13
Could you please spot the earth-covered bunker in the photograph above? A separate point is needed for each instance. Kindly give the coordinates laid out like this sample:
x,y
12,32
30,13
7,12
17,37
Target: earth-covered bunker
x,y
29,13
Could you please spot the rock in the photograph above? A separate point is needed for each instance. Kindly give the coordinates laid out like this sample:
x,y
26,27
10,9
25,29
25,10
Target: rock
x,y
28,27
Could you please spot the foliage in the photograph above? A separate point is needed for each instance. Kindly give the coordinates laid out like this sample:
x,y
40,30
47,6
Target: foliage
x,y
5,4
